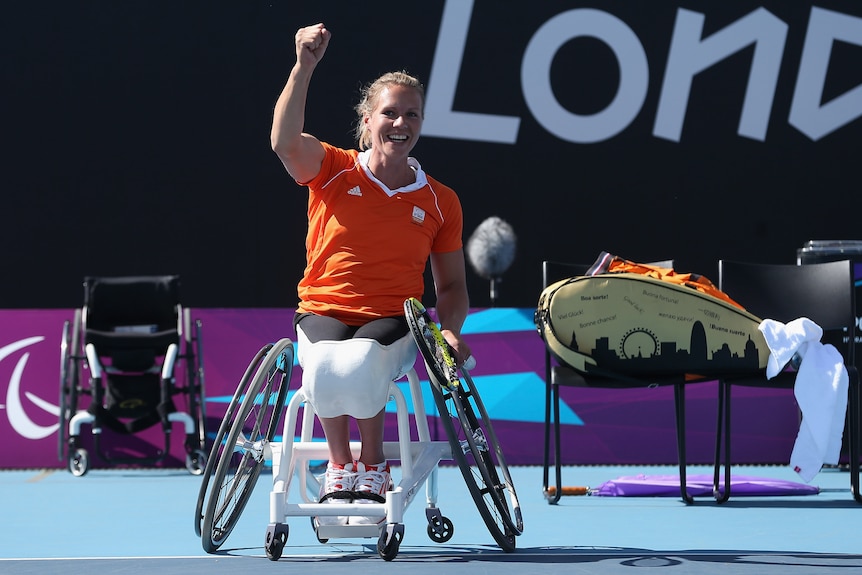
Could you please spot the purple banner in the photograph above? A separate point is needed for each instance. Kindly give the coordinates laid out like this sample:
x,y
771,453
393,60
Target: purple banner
x,y
599,426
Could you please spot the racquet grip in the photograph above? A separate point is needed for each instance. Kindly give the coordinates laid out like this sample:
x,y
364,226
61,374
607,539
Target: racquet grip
x,y
469,363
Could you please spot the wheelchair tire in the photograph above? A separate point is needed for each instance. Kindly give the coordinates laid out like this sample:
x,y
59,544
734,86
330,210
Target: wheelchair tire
x,y
224,427
242,458
196,388
196,461
480,459
79,462
69,381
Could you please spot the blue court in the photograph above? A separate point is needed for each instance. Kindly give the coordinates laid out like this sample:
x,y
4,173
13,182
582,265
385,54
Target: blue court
x,y
135,521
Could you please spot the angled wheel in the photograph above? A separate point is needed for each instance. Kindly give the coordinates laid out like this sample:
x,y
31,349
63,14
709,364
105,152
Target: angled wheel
x,y
196,387
218,446
469,429
69,379
241,458
480,459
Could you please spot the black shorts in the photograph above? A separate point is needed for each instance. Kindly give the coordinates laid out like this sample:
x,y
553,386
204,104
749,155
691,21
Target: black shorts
x,y
385,330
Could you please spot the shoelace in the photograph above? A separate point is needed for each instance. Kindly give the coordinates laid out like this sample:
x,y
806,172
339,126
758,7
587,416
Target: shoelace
x,y
372,481
339,479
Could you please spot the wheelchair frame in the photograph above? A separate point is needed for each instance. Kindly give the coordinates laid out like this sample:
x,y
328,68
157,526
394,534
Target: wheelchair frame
x,y
246,440
77,357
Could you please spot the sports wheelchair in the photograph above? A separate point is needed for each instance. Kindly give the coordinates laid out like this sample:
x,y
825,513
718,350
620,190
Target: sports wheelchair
x,y
247,439
123,352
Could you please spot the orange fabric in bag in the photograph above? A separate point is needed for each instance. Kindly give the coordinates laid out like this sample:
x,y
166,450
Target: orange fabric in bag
x,y
609,263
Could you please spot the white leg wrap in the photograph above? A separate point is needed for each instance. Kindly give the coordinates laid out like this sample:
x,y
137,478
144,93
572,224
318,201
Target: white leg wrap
x,y
352,377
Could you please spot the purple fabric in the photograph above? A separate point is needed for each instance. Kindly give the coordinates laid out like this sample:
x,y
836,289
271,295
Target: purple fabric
x,y
668,486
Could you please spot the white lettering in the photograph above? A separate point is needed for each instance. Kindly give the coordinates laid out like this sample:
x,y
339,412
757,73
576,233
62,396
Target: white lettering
x,y
807,114
689,55
536,76
441,120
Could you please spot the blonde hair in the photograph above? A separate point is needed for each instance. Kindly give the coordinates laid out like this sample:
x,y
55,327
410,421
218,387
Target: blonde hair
x,y
370,94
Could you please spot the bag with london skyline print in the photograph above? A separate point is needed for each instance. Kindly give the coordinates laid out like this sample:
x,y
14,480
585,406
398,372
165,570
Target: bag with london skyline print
x,y
635,318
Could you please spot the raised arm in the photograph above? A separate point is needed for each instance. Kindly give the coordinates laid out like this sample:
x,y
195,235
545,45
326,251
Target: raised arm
x,y
301,153
453,303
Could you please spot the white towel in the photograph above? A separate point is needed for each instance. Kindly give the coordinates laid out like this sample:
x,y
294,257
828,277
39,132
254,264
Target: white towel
x,y
820,391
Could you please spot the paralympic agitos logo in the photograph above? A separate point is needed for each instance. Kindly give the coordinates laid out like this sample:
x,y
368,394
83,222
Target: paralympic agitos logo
x,y
14,404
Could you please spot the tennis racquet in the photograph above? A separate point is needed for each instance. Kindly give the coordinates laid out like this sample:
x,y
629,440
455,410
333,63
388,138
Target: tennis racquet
x,y
439,356
471,434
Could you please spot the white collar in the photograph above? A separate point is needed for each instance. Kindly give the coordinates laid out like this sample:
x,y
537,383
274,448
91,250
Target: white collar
x,y
421,179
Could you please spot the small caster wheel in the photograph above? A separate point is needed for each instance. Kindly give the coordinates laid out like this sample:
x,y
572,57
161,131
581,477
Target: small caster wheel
x,y
276,538
390,541
196,461
441,531
319,538
510,537
79,462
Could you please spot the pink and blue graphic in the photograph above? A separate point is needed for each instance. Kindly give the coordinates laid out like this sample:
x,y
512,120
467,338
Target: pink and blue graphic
x,y
599,426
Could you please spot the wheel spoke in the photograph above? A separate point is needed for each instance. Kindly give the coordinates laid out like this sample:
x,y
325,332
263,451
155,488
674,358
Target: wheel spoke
x,y
480,460
240,452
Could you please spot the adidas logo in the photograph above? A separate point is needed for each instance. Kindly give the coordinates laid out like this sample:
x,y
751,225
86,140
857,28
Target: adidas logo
x,y
354,191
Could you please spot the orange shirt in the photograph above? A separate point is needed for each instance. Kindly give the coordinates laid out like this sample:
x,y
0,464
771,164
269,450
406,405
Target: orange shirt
x,y
367,246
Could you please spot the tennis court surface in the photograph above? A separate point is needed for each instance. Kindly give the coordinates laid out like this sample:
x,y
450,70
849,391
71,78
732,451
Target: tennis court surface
x,y
137,521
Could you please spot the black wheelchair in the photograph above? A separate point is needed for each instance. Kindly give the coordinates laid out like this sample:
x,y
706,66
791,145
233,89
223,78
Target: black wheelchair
x,y
131,354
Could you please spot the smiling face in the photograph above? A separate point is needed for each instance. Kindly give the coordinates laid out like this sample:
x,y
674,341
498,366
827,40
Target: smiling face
x,y
393,125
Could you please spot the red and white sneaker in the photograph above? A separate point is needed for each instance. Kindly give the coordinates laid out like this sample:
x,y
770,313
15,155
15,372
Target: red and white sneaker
x,y
371,484
336,486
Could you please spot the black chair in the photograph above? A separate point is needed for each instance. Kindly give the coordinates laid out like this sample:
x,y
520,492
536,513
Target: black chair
x,y
131,337
558,374
822,292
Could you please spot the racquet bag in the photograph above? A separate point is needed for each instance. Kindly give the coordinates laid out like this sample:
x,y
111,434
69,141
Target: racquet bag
x,y
628,322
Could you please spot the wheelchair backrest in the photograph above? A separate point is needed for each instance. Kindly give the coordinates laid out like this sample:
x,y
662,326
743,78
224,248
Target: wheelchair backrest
x,y
133,317
126,303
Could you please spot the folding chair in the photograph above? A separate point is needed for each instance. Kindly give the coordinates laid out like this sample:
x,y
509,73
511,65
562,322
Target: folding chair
x,y
822,292
558,374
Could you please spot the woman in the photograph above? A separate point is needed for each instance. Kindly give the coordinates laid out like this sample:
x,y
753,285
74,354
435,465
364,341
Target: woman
x,y
374,220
